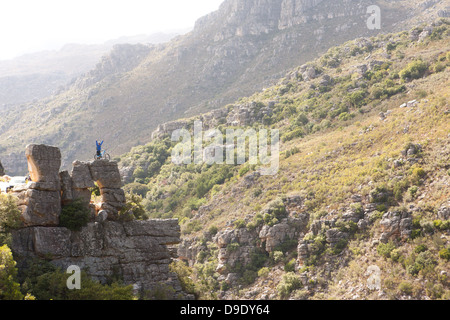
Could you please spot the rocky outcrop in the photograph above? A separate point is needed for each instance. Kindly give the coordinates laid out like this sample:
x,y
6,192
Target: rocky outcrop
x,y
289,228
138,251
2,170
40,200
122,58
444,211
235,246
135,251
396,224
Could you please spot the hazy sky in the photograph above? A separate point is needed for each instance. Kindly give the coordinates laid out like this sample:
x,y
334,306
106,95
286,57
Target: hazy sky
x,y
35,25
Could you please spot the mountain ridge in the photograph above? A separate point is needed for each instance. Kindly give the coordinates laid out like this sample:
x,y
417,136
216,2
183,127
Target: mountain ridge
x,y
221,60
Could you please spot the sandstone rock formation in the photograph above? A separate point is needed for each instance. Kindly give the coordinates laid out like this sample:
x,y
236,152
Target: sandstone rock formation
x,y
136,251
40,200
396,224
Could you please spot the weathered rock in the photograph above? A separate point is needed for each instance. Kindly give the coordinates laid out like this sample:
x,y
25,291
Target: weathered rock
x,y
396,224
42,208
136,250
66,187
235,246
287,229
309,74
81,175
444,211
106,174
334,236
43,163
2,170
82,194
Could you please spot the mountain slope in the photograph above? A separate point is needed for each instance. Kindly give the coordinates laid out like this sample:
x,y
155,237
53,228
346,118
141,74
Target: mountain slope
x,y
42,74
363,185
241,48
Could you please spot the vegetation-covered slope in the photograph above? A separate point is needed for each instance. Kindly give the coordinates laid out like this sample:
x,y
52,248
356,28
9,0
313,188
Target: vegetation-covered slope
x,y
363,181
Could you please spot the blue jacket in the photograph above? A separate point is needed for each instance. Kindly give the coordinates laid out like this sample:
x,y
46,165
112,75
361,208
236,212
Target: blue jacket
x,y
99,145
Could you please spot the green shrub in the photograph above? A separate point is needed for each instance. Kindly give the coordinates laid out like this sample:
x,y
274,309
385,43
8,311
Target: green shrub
x,y
233,246
263,272
288,284
9,287
248,277
276,207
277,256
240,223
442,225
75,215
298,132
290,266
385,249
213,230
395,255
136,188
420,248
444,254
134,206
414,70
9,217
423,260
405,288
184,274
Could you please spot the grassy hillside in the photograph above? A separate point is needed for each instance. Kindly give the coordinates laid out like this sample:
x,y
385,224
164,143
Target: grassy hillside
x,y
365,141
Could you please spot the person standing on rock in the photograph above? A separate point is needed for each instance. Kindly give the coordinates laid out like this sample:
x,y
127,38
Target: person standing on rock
x,y
99,148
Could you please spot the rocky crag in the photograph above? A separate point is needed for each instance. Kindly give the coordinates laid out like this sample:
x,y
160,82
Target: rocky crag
x,y
136,251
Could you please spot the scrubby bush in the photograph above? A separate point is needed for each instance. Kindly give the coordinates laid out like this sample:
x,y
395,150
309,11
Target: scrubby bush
x,y
9,287
133,208
405,288
444,254
290,266
277,256
395,255
263,272
288,284
9,217
442,225
75,215
184,274
414,70
385,249
420,248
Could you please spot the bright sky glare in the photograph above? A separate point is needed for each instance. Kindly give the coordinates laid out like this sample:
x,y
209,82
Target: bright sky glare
x,y
35,25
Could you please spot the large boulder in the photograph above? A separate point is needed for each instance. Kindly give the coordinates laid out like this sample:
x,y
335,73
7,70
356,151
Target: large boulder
x,y
43,164
106,174
396,224
40,200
